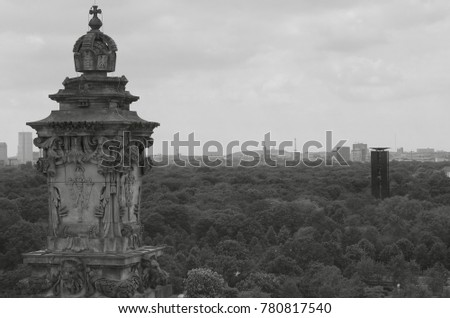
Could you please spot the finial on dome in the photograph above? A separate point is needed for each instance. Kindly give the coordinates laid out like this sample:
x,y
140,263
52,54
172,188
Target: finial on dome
x,y
95,22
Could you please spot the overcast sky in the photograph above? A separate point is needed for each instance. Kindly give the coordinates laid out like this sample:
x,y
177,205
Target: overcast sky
x,y
370,71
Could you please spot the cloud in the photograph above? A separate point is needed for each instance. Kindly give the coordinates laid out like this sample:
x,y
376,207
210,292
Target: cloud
x,y
358,78
36,41
235,68
400,14
349,32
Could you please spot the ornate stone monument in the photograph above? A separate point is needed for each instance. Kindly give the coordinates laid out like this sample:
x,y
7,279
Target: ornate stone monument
x,y
94,157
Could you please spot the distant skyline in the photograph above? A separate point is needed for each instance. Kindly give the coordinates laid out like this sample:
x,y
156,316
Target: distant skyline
x,y
371,72
198,149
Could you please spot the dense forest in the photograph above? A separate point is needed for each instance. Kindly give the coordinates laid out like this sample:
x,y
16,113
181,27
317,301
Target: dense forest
x,y
270,232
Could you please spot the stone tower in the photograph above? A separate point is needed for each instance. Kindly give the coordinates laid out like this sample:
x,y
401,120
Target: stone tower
x,y
380,172
94,157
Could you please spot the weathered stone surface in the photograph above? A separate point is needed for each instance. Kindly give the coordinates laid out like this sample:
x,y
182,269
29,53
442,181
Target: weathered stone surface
x,y
95,51
94,158
130,274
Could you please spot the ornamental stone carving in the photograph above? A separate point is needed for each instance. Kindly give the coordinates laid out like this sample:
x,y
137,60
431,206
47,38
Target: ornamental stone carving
x,y
93,154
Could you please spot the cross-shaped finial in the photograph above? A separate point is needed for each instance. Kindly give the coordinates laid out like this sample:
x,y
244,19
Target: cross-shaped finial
x,y
95,11
95,22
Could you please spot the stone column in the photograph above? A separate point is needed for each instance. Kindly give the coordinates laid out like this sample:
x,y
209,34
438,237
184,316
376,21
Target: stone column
x,y
94,158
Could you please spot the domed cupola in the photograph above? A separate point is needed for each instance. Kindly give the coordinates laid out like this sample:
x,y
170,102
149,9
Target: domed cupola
x,y
95,51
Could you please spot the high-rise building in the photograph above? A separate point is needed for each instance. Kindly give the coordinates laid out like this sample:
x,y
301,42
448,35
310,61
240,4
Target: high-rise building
x,y
380,173
360,152
3,154
344,152
25,148
341,155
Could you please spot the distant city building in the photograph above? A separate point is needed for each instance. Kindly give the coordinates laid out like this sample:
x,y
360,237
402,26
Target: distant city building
x,y
441,156
425,150
13,161
425,154
344,153
422,155
25,148
380,173
36,155
3,154
360,152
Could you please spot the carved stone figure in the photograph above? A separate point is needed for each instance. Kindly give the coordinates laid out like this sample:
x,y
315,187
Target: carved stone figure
x,y
152,274
72,278
103,202
115,288
80,188
37,285
58,212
